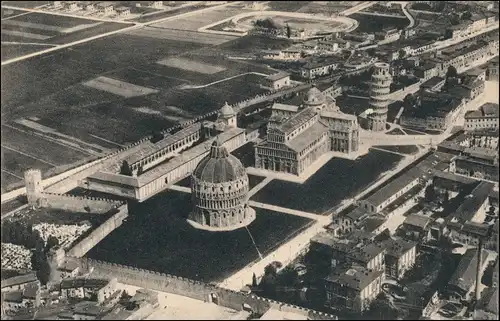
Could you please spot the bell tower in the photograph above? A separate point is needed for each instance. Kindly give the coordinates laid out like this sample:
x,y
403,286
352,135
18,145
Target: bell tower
x,y
34,188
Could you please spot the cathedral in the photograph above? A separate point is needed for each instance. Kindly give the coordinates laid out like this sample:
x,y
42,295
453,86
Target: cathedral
x,y
298,135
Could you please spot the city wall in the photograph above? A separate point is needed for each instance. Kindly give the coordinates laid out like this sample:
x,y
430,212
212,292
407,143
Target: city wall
x,y
80,204
97,235
194,289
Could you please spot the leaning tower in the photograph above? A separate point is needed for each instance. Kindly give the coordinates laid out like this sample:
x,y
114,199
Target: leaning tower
x,y
379,90
34,188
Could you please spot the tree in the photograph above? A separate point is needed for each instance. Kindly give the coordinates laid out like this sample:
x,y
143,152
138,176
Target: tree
x,y
156,137
451,72
430,193
51,242
466,15
288,31
371,51
125,169
401,54
446,199
254,281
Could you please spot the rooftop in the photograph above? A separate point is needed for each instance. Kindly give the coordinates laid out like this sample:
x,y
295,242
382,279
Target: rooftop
x,y
420,221
278,76
473,202
20,279
431,83
372,223
297,120
278,106
186,156
487,110
84,283
398,247
454,177
393,187
13,296
357,213
304,139
353,276
489,300
465,274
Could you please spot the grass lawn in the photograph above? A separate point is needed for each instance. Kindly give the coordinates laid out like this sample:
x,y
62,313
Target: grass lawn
x,y
157,237
337,180
10,51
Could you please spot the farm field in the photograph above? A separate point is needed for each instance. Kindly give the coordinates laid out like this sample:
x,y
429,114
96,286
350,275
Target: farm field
x,y
166,14
26,4
369,23
39,147
170,33
42,28
15,164
197,21
171,245
10,51
337,180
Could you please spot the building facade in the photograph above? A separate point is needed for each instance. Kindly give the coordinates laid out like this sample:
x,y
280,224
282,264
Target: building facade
x,y
219,190
485,118
298,135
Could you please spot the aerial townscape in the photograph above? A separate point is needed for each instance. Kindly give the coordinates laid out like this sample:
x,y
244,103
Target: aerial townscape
x,y
246,160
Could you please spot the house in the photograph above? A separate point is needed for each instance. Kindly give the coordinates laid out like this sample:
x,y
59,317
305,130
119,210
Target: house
x,y
487,307
144,302
70,5
380,198
468,233
462,283
28,297
485,117
105,8
314,69
426,71
277,80
373,224
450,182
88,5
123,11
56,4
400,257
344,224
89,289
69,269
19,282
416,227
365,253
475,205
352,287
87,311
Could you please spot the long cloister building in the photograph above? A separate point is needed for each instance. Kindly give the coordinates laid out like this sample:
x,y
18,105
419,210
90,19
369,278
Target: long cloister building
x,y
298,135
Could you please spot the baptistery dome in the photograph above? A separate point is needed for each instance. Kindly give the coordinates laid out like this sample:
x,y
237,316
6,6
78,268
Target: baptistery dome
x,y
219,189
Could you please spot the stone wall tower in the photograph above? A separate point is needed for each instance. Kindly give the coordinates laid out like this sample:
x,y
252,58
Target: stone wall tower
x,y
34,187
228,116
379,90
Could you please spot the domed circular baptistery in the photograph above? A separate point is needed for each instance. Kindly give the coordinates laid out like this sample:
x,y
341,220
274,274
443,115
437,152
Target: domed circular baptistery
x,y
219,189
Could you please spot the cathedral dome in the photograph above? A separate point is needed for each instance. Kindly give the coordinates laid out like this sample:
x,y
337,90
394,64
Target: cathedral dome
x,y
314,97
219,166
227,110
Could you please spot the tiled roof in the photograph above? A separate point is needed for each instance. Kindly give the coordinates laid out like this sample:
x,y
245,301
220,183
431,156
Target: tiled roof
x,y
352,276
398,247
465,274
278,76
297,120
20,279
278,106
473,203
417,220
304,139
84,283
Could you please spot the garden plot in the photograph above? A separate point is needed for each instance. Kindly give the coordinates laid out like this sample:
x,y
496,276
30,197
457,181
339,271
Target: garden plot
x,y
191,65
15,257
181,35
24,34
118,87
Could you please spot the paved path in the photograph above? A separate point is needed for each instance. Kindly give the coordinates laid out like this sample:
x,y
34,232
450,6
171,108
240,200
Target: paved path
x,y
184,87
259,186
180,188
359,7
320,218
134,26
388,151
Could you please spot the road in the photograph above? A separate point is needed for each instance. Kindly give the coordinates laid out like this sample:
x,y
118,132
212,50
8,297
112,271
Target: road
x,y
359,7
135,25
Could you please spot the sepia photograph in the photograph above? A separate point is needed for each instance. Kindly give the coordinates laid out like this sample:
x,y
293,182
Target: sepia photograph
x,y
249,160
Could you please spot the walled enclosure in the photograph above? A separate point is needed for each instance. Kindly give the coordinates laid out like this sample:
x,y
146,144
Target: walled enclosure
x,y
80,204
194,289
